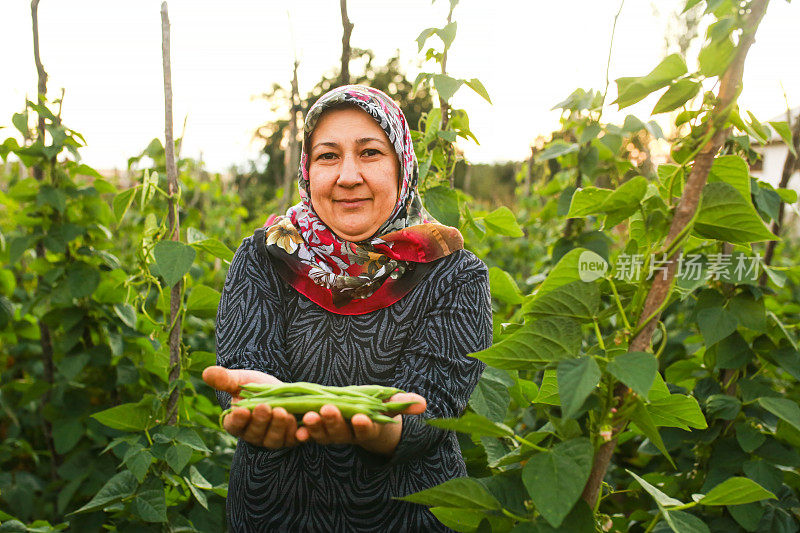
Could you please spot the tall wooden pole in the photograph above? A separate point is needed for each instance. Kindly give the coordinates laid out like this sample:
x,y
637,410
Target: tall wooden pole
x,y
174,223
344,78
45,337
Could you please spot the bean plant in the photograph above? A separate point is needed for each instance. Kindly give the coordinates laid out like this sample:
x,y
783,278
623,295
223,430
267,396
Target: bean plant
x,y
648,380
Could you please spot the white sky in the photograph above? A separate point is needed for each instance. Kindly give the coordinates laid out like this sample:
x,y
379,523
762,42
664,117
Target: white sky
x,y
529,55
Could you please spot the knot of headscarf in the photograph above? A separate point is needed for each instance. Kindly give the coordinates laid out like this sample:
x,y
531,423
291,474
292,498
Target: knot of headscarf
x,y
355,278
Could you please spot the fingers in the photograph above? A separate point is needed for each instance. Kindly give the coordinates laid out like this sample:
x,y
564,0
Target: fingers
x,y
326,427
418,408
313,428
364,429
336,426
236,421
229,381
281,430
221,379
270,428
259,422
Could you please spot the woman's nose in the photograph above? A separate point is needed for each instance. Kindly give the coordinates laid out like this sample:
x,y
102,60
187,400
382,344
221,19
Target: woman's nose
x,y
350,172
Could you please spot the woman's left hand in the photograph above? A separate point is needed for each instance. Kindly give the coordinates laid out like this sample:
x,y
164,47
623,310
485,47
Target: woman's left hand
x,y
330,427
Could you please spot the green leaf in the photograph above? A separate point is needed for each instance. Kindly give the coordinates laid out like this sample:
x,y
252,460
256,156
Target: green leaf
x,y
203,301
677,95
178,456
49,195
637,370
683,522
215,247
548,390
783,408
503,286
726,216
557,148
736,491
122,202
491,396
448,34
476,85
715,57
474,424
442,203
733,351
585,201
126,417
66,434
565,271
677,410
631,90
661,499
578,299
446,86
151,503
423,36
786,134
789,196
748,437
127,314
189,437
119,486
535,344
138,461
197,479
723,407
173,259
82,279
715,324
748,515
461,492
503,222
618,204
467,520
20,121
555,478
577,379
749,312
733,170
641,417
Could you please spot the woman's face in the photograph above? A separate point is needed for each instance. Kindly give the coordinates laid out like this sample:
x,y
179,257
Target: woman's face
x,y
353,172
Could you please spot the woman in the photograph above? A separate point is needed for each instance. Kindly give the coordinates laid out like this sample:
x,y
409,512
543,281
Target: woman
x,y
352,286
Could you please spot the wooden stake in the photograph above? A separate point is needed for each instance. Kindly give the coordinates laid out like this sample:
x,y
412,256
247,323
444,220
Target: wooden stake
x,y
344,78
174,223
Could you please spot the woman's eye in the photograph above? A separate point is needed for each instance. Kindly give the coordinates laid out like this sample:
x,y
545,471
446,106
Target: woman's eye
x,y
375,152
325,156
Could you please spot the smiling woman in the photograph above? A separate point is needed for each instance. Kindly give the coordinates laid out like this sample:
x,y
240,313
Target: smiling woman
x,y
353,179
355,285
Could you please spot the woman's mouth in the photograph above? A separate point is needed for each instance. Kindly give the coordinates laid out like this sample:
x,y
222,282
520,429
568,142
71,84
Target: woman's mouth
x,y
351,202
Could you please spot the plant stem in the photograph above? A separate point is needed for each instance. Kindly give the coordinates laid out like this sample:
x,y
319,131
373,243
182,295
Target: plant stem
x,y
515,516
619,304
653,522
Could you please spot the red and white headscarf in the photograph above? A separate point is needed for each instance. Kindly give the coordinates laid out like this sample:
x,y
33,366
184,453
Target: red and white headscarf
x,y
355,278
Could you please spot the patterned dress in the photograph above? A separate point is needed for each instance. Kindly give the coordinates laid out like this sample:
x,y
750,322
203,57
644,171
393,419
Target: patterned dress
x,y
418,344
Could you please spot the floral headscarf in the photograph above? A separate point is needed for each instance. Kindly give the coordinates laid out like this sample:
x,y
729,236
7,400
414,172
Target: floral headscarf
x,y
355,278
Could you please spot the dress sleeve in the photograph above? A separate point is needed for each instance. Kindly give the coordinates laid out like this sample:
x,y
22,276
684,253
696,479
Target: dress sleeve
x,y
251,322
435,363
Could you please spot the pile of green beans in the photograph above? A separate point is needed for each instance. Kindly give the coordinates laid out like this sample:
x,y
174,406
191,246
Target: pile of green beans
x,y
299,398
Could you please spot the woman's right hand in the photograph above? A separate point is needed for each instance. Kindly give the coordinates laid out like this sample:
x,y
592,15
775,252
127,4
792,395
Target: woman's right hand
x,y
264,426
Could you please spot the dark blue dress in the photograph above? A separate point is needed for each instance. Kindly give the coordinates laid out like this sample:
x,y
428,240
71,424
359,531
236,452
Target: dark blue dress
x,y
418,344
